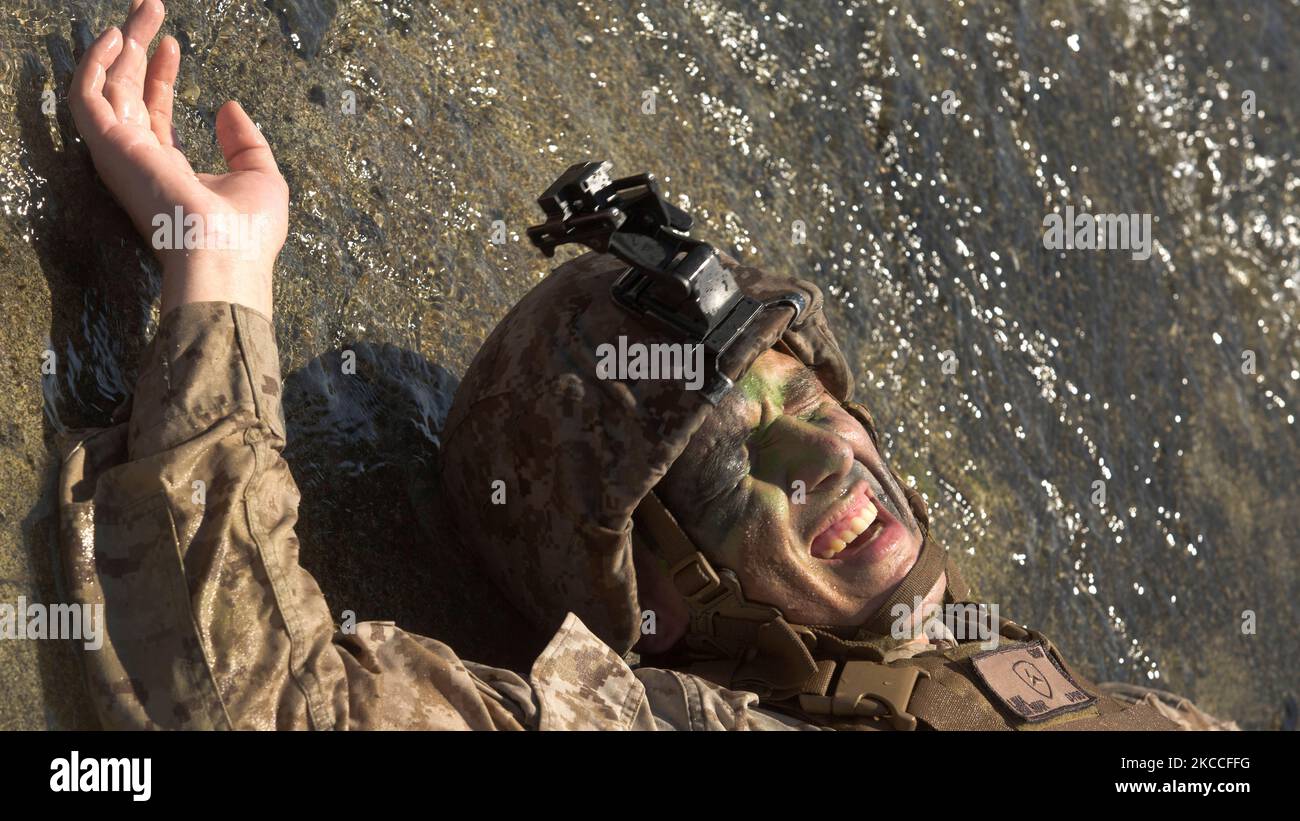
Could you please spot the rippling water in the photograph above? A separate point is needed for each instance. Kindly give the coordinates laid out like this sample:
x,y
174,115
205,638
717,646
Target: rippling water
x,y
903,155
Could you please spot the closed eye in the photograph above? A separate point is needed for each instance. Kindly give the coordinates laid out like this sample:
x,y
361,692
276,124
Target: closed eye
x,y
724,465
802,387
727,463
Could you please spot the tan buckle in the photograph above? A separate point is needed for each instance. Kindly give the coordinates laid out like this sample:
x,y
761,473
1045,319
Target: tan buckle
x,y
870,689
703,575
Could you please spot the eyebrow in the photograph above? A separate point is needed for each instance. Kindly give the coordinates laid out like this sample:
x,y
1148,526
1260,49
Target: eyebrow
x,y
800,388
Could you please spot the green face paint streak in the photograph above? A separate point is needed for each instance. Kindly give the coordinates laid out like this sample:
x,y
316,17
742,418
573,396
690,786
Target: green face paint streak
x,y
768,504
773,501
762,390
767,390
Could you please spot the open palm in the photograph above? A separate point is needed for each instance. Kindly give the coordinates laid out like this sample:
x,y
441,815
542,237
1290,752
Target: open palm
x,y
122,104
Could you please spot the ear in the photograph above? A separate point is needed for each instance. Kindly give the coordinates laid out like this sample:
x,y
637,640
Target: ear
x,y
655,592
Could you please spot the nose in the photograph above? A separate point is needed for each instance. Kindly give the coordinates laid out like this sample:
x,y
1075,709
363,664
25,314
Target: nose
x,y
799,451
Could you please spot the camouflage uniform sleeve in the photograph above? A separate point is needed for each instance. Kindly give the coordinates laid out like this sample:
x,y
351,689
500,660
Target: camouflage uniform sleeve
x,y
179,523
680,701
580,683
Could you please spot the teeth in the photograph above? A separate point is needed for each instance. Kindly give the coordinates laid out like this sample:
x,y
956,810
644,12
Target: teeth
x,y
859,523
856,526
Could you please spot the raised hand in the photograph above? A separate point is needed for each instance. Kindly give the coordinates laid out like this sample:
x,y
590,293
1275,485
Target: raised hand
x,y
232,225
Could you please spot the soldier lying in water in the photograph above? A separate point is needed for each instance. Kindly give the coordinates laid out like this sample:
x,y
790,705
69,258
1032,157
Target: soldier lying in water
x,y
767,535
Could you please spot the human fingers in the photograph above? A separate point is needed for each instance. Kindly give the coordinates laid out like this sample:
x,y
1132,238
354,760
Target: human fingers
x,y
125,85
92,112
159,88
243,146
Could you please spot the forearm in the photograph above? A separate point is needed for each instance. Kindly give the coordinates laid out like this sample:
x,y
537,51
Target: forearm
x,y
207,427
216,279
205,434
211,365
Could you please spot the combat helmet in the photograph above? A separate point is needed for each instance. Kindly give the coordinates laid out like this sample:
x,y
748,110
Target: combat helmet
x,y
551,468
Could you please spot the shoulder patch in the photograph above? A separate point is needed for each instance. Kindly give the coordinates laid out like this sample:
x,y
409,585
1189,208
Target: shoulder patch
x,y
1029,682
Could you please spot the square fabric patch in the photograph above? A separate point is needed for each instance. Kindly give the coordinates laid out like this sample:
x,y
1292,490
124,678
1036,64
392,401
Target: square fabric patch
x,y
1029,682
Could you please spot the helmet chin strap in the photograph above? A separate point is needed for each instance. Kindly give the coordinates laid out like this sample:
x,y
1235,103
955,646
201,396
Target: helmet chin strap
x,y
752,646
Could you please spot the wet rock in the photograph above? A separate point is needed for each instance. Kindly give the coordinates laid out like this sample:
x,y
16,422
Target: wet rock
x,y
305,22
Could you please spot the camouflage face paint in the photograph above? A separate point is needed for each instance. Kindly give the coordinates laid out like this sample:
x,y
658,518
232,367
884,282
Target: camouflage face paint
x,y
778,466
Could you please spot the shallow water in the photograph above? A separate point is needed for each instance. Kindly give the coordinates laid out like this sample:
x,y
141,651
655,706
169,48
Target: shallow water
x,y
811,140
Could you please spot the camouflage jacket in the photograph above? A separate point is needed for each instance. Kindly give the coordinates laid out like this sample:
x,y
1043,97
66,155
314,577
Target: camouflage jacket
x,y
179,521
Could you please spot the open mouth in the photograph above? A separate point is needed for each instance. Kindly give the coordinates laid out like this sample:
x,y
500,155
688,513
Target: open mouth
x,y
857,526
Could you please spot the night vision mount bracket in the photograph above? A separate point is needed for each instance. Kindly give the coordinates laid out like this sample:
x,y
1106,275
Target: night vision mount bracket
x,y
676,281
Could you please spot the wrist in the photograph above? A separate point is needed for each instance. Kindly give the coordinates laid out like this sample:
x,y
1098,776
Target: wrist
x,y
211,278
